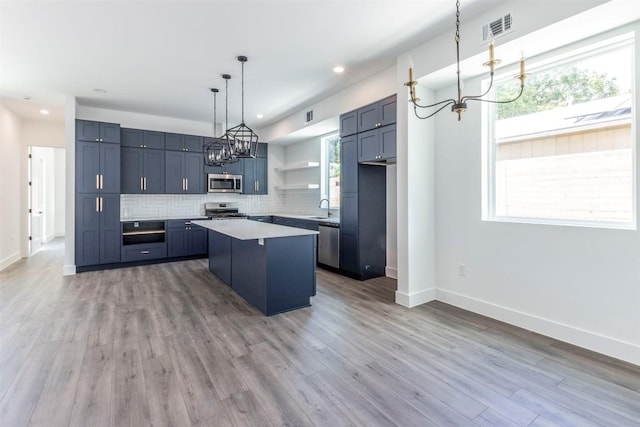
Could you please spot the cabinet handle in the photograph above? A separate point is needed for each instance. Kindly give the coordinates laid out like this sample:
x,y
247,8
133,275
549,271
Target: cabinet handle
x,y
97,204
101,182
145,183
144,252
100,204
258,185
97,182
186,181
141,183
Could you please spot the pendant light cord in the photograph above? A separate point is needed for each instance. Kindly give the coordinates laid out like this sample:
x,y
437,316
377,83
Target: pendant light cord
x,y
458,48
242,86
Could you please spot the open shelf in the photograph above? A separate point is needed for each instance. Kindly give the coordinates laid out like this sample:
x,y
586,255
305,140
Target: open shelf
x,y
297,166
142,232
298,187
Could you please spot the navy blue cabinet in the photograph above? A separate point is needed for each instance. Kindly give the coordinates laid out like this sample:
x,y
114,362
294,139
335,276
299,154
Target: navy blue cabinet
x,y
220,256
186,239
142,138
378,114
377,145
87,130
363,195
179,142
142,170
97,209
184,172
255,175
349,123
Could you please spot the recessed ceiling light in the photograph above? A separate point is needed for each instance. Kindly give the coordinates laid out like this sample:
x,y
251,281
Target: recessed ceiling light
x,y
100,91
45,112
338,69
27,98
259,115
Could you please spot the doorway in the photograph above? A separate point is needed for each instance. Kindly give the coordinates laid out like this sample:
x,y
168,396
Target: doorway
x,y
46,196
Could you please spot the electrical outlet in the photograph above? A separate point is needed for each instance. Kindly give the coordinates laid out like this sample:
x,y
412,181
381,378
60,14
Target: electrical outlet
x,y
462,270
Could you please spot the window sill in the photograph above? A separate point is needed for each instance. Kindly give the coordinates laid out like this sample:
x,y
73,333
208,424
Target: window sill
x,y
564,223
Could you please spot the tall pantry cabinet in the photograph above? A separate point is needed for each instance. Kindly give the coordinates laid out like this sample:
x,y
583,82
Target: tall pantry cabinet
x,y
97,228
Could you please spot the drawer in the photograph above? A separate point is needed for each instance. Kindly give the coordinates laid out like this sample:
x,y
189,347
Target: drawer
x,y
144,251
178,223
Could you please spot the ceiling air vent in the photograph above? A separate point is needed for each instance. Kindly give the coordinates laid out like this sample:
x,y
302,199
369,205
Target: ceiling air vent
x,y
498,27
309,116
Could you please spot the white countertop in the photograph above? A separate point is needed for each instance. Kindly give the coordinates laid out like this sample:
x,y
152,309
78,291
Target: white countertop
x,y
244,229
332,219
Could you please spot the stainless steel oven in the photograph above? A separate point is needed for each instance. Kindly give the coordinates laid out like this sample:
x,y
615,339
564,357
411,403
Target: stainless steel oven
x,y
224,183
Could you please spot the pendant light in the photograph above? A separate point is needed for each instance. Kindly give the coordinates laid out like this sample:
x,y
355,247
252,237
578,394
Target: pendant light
x,y
459,105
214,151
243,140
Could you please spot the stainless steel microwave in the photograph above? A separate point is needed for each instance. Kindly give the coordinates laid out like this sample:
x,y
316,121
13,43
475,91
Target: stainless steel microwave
x,y
224,183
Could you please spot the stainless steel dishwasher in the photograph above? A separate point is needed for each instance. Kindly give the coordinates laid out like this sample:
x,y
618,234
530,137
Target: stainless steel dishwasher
x,y
329,244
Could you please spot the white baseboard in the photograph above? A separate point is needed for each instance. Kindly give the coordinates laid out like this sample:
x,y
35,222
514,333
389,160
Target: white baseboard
x,y
391,272
622,350
417,298
9,260
68,270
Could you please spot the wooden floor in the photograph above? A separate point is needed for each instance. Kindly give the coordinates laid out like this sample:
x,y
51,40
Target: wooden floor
x,y
170,345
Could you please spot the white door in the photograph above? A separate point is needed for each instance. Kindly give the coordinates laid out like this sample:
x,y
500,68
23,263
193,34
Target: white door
x,y
36,200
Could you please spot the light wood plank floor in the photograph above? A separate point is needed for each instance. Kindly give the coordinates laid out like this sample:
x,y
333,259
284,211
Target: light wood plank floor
x,y
170,345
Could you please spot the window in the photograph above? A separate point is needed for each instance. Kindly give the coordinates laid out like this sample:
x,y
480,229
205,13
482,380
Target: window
x,y
564,152
330,170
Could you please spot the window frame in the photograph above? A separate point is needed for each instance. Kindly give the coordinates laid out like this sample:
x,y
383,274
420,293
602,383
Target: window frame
x,y
324,166
553,59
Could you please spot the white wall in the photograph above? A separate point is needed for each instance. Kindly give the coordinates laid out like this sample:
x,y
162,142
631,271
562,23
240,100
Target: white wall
x,y
59,164
577,284
10,171
42,133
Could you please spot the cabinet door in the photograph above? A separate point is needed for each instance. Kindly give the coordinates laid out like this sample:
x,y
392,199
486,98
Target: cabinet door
x,y
177,241
132,164
349,212
197,240
368,117
87,167
387,110
110,233
349,164
153,139
261,175
173,141
369,146
249,185
349,123
388,142
87,130
193,172
153,171
192,143
263,150
220,256
110,167
174,179
87,229
349,252
236,168
110,132
131,138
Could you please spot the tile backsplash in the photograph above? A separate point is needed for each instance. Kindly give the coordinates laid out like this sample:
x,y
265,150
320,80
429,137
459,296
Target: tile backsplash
x,y
141,206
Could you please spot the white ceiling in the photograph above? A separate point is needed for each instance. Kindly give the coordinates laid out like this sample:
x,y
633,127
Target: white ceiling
x,y
162,57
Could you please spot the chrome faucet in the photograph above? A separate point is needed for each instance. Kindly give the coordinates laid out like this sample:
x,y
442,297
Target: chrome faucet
x,y
328,207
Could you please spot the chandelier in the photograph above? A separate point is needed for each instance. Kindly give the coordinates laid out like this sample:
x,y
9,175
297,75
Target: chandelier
x,y
243,140
459,105
219,151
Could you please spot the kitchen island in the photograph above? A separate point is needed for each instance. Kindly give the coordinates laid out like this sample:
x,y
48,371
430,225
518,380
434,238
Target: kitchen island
x,y
271,266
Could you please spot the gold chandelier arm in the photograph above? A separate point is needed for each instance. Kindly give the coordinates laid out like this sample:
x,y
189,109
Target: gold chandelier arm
x,y
448,102
491,101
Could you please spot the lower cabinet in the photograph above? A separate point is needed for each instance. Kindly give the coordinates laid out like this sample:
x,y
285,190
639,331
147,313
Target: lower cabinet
x,y
185,239
220,256
97,229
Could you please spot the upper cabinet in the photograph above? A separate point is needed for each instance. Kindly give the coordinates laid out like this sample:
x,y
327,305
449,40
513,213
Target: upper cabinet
x,y
377,144
87,130
254,179
142,139
378,114
179,142
349,123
